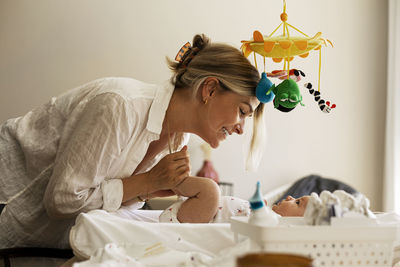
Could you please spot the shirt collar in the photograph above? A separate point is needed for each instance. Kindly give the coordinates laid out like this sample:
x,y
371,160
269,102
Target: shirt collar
x,y
159,107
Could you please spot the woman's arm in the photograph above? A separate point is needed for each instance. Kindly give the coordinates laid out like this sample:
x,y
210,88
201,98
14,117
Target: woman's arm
x,y
86,156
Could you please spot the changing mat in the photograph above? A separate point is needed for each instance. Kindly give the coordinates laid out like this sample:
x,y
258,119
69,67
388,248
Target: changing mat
x,y
111,240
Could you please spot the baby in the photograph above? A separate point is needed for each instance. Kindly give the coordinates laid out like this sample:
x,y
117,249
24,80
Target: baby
x,y
205,205
291,206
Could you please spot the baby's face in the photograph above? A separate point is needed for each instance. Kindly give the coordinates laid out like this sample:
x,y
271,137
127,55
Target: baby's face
x,y
291,206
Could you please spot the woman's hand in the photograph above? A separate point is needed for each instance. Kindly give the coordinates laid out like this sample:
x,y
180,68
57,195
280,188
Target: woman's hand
x,y
170,171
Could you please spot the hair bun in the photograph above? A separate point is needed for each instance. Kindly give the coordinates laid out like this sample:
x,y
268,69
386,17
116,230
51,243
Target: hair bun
x,y
200,41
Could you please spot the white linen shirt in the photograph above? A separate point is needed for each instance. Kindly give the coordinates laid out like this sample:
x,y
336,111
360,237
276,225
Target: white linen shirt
x,y
69,156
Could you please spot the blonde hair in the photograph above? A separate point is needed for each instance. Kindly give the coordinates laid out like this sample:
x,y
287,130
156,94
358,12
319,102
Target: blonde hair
x,y
234,72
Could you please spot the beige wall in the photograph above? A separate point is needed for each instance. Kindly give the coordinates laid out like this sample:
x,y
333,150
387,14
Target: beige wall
x,y
49,46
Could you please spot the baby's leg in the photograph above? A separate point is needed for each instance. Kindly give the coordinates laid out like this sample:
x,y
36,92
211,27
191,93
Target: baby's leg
x,y
202,204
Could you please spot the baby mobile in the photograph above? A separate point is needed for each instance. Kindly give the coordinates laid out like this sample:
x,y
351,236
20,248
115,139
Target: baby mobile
x,y
286,96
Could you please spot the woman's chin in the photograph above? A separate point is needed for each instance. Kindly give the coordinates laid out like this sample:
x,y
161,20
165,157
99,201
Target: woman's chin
x,y
214,144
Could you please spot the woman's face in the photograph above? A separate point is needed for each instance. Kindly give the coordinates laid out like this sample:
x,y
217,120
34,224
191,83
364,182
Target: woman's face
x,y
291,206
225,113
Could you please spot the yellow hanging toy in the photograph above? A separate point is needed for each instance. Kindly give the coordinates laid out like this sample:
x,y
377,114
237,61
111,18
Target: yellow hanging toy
x,y
284,48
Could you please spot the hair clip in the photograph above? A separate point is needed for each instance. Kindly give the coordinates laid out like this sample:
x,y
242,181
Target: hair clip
x,y
182,51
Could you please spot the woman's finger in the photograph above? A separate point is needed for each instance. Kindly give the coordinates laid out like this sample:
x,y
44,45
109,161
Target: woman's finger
x,y
183,169
180,154
176,157
180,163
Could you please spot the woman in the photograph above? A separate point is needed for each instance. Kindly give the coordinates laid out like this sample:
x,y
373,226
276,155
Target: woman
x,y
105,144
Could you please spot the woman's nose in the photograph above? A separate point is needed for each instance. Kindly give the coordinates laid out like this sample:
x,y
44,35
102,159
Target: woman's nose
x,y
239,128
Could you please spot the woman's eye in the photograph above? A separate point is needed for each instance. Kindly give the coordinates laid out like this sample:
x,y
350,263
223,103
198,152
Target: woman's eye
x,y
298,202
242,112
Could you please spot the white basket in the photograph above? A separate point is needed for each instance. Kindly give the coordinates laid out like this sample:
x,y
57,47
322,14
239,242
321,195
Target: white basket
x,y
341,244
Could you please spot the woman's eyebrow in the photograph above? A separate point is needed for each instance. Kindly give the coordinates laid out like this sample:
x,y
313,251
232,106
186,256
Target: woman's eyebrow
x,y
251,108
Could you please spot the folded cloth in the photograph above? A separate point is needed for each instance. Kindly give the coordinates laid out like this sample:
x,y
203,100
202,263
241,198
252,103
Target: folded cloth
x,y
321,208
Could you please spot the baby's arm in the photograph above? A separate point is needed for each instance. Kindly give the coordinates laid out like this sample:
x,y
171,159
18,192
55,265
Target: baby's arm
x,y
202,204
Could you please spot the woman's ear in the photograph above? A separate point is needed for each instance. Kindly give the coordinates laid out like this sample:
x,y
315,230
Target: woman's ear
x,y
210,86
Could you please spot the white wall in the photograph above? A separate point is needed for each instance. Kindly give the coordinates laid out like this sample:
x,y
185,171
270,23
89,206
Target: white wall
x,y
49,46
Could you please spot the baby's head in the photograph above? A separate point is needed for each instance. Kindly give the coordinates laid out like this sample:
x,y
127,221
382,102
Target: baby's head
x,y
291,206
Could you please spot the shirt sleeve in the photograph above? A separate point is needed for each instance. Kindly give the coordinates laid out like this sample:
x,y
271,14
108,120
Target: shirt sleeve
x,y
80,181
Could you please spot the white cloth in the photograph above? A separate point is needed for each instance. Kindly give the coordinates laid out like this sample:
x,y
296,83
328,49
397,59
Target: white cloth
x,y
69,155
95,229
339,204
228,206
159,244
143,255
133,213
135,255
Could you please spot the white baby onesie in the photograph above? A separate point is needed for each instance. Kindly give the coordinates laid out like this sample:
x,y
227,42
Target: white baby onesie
x,y
228,206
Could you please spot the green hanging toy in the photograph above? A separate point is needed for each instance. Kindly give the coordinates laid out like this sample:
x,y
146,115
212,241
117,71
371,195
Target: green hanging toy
x,y
287,95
